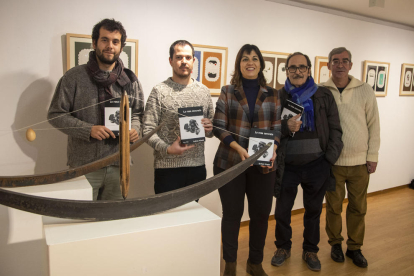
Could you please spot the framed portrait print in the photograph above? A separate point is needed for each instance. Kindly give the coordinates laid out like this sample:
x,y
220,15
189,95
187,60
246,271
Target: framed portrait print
x,y
210,67
275,71
78,47
322,73
407,80
376,74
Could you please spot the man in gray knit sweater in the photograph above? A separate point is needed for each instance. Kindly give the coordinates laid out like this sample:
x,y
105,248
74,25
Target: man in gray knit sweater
x,y
177,165
80,90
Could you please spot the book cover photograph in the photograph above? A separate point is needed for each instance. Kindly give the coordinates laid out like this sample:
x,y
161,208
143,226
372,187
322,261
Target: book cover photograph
x,y
291,109
112,115
258,139
191,128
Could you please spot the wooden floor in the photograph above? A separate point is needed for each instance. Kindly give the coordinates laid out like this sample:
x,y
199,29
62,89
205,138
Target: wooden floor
x,y
388,245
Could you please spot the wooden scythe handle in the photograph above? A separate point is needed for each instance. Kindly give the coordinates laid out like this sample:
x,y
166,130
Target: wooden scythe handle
x,y
124,162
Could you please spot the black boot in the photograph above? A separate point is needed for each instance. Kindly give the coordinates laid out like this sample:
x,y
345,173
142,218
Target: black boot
x,y
357,258
255,269
336,253
230,269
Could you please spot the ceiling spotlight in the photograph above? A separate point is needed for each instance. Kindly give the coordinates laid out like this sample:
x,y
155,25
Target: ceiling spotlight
x,y
376,3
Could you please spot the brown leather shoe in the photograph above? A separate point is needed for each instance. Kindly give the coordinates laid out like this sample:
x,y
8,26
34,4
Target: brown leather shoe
x,y
230,269
312,261
255,269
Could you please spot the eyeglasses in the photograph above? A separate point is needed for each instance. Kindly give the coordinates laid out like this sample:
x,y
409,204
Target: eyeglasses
x,y
302,68
336,62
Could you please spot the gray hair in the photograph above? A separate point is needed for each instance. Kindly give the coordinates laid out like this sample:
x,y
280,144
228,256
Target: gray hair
x,y
339,50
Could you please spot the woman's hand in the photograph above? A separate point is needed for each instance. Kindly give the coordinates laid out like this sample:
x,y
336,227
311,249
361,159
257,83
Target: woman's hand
x,y
243,154
240,150
273,159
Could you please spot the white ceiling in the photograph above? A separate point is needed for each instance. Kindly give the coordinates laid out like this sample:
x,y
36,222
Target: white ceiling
x,y
394,11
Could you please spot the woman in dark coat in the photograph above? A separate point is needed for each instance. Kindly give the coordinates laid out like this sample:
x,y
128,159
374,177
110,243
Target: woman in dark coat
x,y
245,104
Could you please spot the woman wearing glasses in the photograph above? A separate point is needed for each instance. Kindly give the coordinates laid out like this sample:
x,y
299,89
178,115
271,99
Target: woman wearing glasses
x,y
246,103
310,145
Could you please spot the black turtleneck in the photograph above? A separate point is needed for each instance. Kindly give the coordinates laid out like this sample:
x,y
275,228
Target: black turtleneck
x,y
251,89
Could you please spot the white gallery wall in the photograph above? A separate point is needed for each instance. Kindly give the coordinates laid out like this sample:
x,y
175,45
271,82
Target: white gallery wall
x,y
33,58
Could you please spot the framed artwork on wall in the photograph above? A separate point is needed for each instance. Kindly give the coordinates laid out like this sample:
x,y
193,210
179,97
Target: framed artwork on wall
x,y
275,71
407,80
78,47
210,67
376,74
322,73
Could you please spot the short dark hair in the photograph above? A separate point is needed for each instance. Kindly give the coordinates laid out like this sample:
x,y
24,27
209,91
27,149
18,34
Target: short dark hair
x,y
300,54
236,78
337,51
181,43
110,25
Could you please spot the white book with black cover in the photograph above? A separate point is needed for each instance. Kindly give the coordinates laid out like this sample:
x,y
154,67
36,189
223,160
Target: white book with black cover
x,y
191,129
112,115
291,109
258,139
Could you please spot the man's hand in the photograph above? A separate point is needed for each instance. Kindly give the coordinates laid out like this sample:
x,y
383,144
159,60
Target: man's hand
x,y
294,125
133,135
371,166
207,124
101,132
177,148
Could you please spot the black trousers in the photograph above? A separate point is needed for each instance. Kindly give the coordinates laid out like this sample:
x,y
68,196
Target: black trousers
x,y
314,179
166,180
258,188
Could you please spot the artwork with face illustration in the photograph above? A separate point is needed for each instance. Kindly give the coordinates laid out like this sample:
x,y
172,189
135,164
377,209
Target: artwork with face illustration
x,y
275,64
268,70
371,76
321,73
381,79
196,66
408,76
281,73
210,67
376,75
407,80
79,46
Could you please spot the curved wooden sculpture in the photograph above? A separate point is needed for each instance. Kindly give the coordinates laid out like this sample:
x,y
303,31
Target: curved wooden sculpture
x,y
50,178
122,209
124,160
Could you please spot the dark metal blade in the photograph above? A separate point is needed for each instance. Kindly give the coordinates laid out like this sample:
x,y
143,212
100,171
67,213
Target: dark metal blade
x,y
122,209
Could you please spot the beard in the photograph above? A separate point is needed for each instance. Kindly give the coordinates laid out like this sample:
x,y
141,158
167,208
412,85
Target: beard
x,y
182,75
103,59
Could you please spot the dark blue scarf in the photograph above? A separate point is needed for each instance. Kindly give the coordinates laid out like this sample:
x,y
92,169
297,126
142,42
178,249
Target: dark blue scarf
x,y
302,95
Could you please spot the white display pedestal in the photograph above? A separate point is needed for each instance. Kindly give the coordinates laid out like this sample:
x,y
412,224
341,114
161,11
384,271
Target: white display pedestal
x,y
22,245
182,241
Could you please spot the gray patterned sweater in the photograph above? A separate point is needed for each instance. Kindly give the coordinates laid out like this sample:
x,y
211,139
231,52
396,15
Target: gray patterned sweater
x,y
162,106
75,91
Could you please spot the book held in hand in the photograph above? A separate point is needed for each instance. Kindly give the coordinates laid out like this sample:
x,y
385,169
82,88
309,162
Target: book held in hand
x,y
291,109
258,139
191,128
112,115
